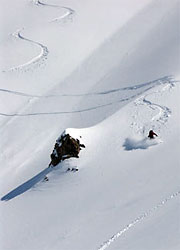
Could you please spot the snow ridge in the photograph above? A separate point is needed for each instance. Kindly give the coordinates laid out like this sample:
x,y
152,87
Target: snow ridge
x,y
137,220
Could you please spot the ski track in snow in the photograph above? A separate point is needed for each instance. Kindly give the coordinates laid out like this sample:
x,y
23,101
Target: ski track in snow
x,y
138,220
161,81
163,112
37,60
161,117
69,12
58,112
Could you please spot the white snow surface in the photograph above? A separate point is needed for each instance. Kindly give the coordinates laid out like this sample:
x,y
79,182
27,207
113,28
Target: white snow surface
x,y
106,72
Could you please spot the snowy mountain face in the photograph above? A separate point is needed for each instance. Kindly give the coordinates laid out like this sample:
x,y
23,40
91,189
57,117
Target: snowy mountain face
x,y
106,72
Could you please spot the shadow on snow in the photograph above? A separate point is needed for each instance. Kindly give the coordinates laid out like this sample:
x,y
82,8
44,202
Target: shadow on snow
x,y
26,185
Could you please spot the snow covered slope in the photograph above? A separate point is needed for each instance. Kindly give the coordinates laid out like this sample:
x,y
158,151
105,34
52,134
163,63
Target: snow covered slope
x,y
109,70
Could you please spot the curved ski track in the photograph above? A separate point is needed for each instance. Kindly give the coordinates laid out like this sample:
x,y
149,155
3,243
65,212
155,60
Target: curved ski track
x,y
138,220
69,12
163,112
39,59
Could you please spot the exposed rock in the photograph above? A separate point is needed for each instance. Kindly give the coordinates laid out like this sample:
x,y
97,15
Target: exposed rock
x,y
65,147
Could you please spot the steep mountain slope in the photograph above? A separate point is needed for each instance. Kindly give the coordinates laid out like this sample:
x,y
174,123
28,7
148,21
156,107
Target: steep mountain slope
x,y
110,71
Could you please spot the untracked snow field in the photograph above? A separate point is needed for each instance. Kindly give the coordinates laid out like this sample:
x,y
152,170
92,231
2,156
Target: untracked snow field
x,y
107,72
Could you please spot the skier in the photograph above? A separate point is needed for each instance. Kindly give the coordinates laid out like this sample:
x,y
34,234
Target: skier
x,y
151,134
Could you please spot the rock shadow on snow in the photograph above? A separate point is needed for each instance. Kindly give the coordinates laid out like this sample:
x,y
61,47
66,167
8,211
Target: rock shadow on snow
x,y
26,185
139,143
66,147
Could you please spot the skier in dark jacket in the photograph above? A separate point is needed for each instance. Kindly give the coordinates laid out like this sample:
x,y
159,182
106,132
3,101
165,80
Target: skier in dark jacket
x,y
151,134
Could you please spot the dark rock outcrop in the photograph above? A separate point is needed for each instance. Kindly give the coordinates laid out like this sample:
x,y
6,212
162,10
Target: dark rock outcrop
x,y
65,147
